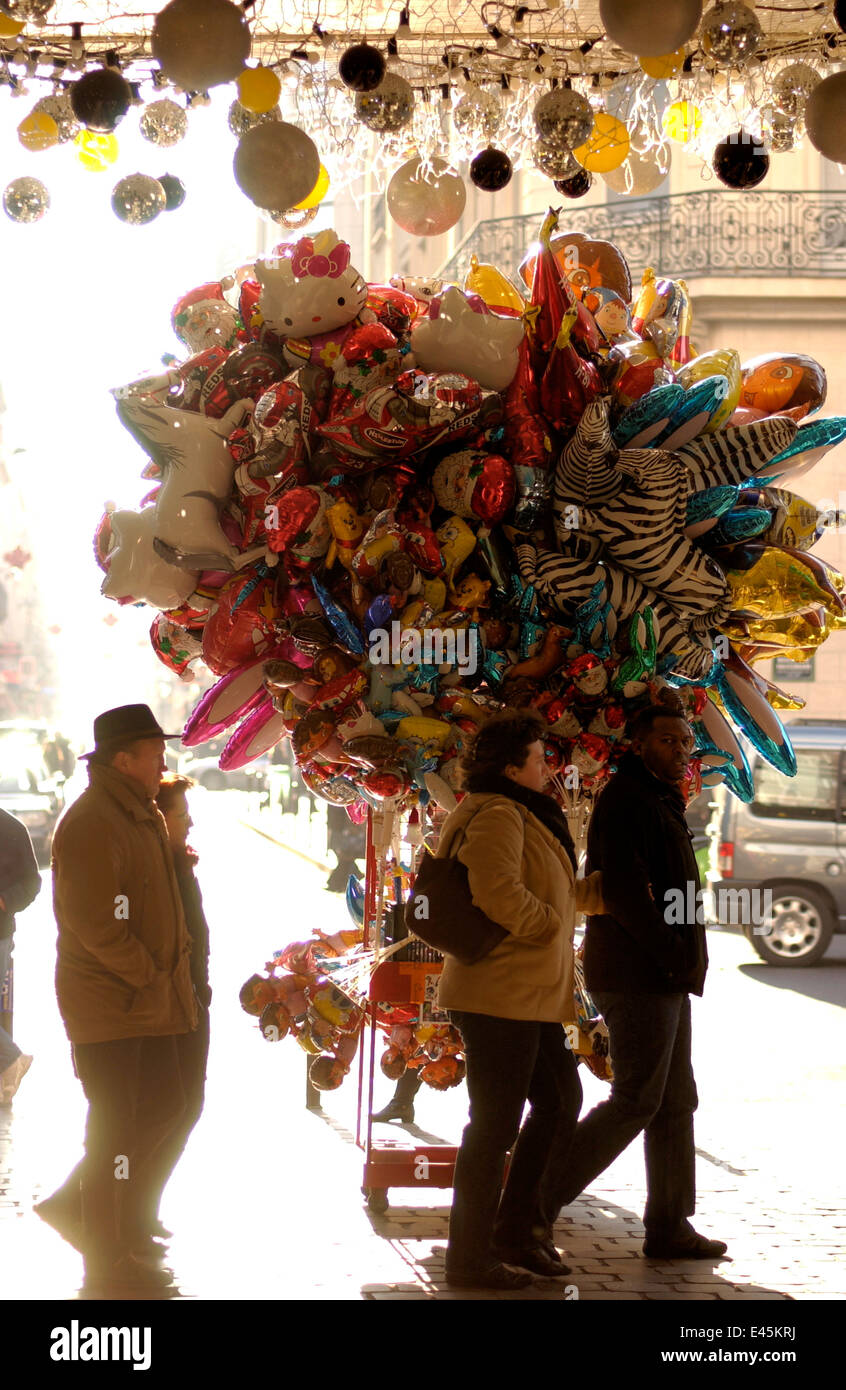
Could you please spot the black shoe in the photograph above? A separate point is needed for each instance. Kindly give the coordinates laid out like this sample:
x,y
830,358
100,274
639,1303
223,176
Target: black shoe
x,y
688,1245
539,1259
496,1277
394,1110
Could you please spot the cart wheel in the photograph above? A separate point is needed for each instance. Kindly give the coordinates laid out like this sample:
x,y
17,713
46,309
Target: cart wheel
x,y
377,1199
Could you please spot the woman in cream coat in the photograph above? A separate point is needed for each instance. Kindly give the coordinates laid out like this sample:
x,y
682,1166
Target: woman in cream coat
x,y
510,1006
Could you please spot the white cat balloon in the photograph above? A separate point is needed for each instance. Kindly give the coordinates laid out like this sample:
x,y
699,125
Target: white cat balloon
x,y
462,335
310,288
136,571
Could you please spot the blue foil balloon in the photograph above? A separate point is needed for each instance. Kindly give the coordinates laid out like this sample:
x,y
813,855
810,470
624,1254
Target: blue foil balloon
x,y
740,525
818,434
656,406
711,501
752,713
703,398
341,622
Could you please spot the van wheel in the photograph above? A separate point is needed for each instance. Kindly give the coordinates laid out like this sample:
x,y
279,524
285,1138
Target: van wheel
x,y
798,930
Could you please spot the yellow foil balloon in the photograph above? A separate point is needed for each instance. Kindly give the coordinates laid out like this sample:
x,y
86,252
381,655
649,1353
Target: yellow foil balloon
x,y
491,285
429,731
317,194
720,362
663,67
38,131
607,146
682,121
10,27
778,585
259,89
96,152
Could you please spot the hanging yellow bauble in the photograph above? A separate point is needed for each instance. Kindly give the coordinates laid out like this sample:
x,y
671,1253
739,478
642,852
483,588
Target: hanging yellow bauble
x,y
317,194
10,27
607,146
682,121
38,131
258,89
94,151
668,65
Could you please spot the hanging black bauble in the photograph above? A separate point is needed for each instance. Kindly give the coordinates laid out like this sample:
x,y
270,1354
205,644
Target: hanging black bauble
x,y
840,14
362,67
576,186
174,190
491,170
101,99
741,161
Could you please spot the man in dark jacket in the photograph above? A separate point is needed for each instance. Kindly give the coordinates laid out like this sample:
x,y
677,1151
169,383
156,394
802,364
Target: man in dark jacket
x,y
643,958
20,881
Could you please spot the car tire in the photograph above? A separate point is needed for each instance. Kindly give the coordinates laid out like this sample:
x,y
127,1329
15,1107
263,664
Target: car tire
x,y
213,780
803,925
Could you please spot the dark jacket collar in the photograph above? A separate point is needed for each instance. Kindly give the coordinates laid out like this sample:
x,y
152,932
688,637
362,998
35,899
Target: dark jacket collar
x,y
125,790
631,765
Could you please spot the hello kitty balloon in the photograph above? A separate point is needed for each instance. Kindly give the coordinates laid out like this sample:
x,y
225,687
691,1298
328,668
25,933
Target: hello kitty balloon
x,y
312,297
461,334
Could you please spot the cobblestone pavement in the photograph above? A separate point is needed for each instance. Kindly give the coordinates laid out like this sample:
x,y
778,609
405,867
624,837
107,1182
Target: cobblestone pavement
x,y
266,1203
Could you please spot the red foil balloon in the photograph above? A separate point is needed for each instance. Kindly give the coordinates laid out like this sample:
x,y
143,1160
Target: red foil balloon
x,y
241,628
297,525
526,431
475,484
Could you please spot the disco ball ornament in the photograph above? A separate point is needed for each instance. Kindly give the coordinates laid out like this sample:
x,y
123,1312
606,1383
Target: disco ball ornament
x,y
388,107
25,10
607,147
478,114
361,68
59,107
741,161
25,200
644,28
555,163
426,201
95,151
164,123
174,191
100,99
259,89
779,131
295,218
241,120
731,32
825,117
792,87
563,119
276,165
138,199
491,170
576,186
38,131
200,43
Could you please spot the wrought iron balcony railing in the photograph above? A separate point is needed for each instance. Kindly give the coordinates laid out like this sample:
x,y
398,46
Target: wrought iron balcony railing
x,y
713,233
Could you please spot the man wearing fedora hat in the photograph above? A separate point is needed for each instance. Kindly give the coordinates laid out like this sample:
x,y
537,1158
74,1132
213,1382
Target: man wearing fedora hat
x,y
124,989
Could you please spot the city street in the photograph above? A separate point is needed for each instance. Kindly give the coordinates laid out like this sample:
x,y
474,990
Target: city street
x,y
266,1203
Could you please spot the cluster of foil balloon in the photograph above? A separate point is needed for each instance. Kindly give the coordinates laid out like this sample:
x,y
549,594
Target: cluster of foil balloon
x,y
308,993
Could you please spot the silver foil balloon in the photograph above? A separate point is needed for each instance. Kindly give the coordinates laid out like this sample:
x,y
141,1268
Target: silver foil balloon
x,y
563,119
163,123
731,32
793,86
388,107
478,114
59,107
25,200
557,162
779,131
27,9
241,120
138,199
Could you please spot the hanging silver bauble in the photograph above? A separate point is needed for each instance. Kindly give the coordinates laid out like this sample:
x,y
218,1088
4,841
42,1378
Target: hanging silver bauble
x,y
778,131
241,120
563,119
60,108
556,163
27,9
163,122
478,114
388,107
793,86
138,199
295,218
25,200
731,32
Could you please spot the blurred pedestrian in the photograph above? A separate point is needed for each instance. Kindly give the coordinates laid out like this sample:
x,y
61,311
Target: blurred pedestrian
x,y
644,957
514,841
346,840
123,982
20,882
